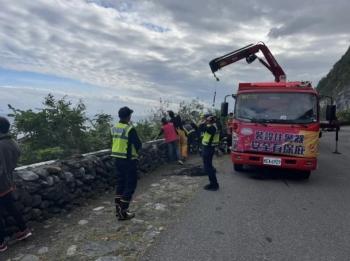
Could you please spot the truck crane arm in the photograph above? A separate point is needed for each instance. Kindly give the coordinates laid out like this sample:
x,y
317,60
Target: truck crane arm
x,y
249,53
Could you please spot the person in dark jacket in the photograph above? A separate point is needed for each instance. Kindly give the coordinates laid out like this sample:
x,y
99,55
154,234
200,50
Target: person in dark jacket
x,y
176,120
125,148
9,154
191,133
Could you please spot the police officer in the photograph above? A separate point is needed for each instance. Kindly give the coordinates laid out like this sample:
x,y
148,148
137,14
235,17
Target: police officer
x,y
126,145
201,128
210,139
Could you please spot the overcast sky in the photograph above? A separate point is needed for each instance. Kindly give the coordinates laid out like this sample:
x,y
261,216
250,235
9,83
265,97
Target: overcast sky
x,y
117,53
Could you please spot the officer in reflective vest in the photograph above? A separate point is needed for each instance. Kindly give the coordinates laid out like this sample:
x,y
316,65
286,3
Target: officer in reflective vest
x,y
201,127
210,139
126,145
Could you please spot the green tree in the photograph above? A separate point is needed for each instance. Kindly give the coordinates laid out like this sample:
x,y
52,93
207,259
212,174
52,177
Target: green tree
x,y
344,116
56,130
60,129
159,111
147,130
99,135
191,110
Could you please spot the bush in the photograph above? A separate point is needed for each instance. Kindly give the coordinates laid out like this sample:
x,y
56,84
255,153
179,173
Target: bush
x,y
61,129
344,116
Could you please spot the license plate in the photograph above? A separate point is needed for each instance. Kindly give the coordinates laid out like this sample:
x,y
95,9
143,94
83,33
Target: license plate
x,y
272,161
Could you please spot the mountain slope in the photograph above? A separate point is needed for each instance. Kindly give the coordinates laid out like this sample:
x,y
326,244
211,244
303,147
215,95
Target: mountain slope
x,y
337,80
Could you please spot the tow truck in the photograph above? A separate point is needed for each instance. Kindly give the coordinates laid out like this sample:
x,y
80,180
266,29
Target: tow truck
x,y
276,124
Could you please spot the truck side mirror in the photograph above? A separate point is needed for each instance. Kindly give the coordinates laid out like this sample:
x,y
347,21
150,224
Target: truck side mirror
x,y
331,111
224,109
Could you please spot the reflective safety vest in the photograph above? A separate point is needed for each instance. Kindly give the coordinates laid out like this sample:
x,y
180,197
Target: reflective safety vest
x,y
211,140
188,129
120,147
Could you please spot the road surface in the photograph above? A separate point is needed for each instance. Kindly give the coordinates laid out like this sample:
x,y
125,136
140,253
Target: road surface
x,y
276,217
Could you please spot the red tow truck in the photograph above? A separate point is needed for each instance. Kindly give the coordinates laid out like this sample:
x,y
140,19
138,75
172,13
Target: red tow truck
x,y
276,124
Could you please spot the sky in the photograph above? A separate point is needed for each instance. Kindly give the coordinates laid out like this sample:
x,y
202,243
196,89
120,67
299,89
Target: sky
x,y
132,53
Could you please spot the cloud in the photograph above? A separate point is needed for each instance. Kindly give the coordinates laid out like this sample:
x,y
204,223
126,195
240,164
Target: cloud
x,y
140,51
300,24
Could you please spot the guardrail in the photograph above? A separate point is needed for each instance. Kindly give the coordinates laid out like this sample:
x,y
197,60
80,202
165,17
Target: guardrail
x,y
99,152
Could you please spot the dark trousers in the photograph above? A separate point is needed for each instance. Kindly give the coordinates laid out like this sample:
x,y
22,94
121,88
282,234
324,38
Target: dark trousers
x,y
192,143
207,155
7,203
126,171
173,150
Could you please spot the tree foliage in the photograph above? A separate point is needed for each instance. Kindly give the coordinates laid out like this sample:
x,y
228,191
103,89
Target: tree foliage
x,y
191,110
57,130
61,128
99,135
344,116
148,129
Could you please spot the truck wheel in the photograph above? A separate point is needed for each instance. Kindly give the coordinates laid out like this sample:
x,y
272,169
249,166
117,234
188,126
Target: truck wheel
x,y
238,167
305,174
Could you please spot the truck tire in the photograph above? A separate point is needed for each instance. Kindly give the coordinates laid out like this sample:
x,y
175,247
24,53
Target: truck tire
x,y
238,167
305,174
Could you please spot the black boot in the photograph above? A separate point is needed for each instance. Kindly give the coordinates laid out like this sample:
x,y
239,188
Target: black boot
x,y
124,214
117,206
212,187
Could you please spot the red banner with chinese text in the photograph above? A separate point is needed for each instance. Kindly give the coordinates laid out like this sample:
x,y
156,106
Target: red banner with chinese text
x,y
285,141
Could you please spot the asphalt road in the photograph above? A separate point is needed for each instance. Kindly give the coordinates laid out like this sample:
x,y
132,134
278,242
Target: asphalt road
x,y
276,217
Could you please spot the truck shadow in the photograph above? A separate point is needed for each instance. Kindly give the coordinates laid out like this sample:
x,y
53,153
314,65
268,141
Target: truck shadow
x,y
271,174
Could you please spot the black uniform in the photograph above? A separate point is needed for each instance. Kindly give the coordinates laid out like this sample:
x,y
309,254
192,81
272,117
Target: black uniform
x,y
207,156
127,169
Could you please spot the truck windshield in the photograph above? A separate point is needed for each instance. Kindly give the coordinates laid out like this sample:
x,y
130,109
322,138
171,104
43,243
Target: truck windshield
x,y
277,107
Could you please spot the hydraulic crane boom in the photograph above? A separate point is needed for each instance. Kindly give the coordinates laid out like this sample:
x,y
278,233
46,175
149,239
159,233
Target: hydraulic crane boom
x,y
249,53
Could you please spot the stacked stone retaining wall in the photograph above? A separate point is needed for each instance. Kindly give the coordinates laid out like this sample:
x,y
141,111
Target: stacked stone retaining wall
x,y
46,189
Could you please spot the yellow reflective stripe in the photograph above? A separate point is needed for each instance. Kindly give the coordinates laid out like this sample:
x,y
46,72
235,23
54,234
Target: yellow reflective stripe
x,y
118,155
120,134
120,144
207,137
116,136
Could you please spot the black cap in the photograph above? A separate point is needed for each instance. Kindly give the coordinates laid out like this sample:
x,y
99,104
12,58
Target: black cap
x,y
124,112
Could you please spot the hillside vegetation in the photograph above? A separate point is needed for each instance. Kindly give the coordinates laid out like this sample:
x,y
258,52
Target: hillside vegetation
x,y
338,79
337,85
60,129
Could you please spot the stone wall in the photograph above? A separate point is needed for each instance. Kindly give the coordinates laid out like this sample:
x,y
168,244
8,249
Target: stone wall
x,y
49,188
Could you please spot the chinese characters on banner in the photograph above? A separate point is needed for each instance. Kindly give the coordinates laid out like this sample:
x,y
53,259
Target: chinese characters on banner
x,y
278,142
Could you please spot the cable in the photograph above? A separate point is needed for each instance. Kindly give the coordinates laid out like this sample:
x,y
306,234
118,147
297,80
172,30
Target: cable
x,y
214,97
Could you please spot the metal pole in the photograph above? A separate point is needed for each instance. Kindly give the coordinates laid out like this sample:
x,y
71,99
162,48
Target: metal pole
x,y
336,140
227,96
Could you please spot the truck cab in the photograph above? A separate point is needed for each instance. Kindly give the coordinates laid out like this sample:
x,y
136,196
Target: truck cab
x,y
276,124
